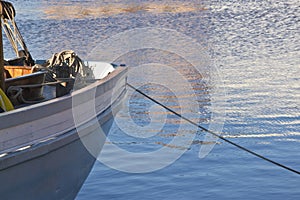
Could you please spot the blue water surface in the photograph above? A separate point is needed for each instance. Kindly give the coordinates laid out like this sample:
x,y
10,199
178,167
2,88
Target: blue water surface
x,y
255,49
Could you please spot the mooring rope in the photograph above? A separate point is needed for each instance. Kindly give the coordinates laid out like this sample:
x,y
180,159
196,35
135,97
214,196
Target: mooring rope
x,y
215,134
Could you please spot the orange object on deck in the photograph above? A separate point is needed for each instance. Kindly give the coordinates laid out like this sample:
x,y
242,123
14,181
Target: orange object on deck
x,y
15,71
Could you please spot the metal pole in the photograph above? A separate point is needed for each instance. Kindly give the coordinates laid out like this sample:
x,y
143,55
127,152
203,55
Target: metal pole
x,y
2,79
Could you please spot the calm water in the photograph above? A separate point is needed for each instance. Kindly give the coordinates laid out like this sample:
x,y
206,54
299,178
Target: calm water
x,y
256,49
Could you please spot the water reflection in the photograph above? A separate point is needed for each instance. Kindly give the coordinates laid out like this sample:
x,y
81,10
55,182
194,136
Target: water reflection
x,y
143,111
256,44
77,10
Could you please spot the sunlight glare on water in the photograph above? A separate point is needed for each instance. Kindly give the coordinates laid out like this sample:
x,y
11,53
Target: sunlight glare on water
x,y
256,48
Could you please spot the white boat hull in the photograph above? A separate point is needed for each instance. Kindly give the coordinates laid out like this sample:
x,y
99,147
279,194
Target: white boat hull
x,y
44,154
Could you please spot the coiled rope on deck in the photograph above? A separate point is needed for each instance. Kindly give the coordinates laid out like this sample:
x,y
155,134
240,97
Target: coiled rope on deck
x,y
65,65
215,134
